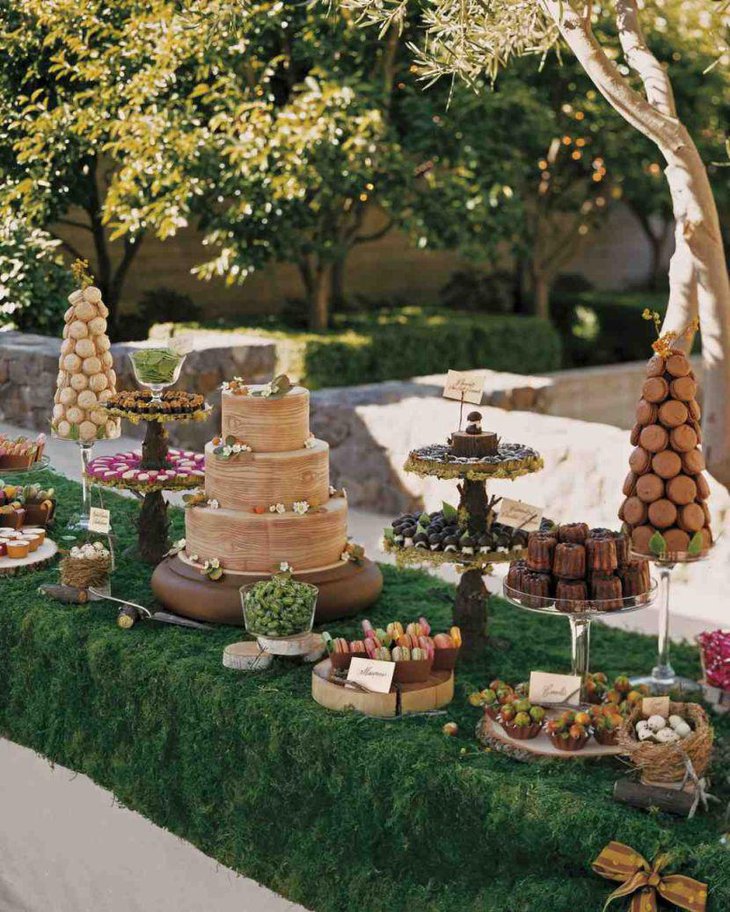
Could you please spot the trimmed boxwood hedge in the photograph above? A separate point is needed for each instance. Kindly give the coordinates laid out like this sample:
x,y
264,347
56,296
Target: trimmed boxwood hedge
x,y
336,811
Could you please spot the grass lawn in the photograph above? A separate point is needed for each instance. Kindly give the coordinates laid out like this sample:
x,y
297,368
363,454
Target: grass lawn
x,y
338,812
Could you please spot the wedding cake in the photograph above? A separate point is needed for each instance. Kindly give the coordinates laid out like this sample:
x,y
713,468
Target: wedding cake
x,y
267,505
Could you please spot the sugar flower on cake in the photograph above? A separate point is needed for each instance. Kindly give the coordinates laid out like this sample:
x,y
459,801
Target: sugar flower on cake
x,y
310,442
353,552
212,569
300,507
213,504
177,547
277,508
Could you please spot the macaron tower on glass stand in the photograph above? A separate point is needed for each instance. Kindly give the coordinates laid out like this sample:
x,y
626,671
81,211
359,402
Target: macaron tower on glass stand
x,y
665,508
469,536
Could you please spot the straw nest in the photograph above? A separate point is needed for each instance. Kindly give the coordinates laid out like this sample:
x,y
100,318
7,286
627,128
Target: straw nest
x,y
86,572
667,762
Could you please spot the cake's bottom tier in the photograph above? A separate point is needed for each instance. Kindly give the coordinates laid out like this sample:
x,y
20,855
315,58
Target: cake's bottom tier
x,y
259,543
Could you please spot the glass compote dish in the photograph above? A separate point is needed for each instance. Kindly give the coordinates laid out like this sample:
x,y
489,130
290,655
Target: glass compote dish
x,y
157,368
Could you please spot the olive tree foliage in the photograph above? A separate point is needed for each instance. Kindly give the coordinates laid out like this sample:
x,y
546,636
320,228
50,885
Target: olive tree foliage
x,y
463,38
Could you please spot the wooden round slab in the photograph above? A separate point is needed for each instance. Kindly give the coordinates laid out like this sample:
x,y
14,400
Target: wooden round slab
x,y
292,646
246,656
34,561
434,693
492,734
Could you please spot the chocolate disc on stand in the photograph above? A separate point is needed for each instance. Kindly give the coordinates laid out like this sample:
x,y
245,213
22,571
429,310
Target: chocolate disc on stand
x,y
634,511
683,438
654,438
640,538
681,490
703,487
667,464
676,539
693,462
672,413
663,513
691,517
677,365
646,412
655,389
684,388
629,487
655,366
650,488
640,461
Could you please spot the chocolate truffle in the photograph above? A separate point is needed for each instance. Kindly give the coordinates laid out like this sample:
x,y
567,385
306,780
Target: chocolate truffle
x,y
681,490
703,487
635,434
667,464
677,365
693,462
682,438
639,461
663,513
655,438
646,412
655,389
691,517
640,538
634,511
673,413
684,388
650,488
629,487
655,366
676,539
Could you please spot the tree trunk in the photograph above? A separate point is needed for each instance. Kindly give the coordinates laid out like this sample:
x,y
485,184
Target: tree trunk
x,y
339,295
470,612
541,295
319,299
698,278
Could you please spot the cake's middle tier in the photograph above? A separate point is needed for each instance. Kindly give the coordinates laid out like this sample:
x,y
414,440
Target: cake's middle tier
x,y
261,479
259,543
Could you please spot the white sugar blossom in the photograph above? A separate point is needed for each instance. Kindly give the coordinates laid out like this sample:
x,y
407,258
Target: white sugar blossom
x,y
266,391
194,558
345,556
213,504
212,564
310,441
300,507
333,490
277,508
285,567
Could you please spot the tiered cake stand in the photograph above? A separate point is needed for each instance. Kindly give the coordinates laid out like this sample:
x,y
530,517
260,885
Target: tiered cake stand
x,y
663,678
153,522
580,616
475,515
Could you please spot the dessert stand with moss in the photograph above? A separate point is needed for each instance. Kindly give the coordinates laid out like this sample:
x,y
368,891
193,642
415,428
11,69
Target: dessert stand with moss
x,y
475,516
153,523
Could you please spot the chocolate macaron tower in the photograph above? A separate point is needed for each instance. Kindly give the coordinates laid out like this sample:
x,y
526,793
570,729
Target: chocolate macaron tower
x,y
665,508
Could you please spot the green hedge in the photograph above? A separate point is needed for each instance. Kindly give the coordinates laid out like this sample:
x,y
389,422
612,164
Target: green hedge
x,y
335,811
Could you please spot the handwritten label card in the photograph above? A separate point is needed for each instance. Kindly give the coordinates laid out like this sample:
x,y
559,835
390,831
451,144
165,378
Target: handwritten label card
x,y
465,387
655,706
372,674
554,688
519,515
99,520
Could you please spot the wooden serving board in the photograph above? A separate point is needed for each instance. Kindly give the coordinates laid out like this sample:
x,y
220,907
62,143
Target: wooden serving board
x,y
432,694
492,734
34,561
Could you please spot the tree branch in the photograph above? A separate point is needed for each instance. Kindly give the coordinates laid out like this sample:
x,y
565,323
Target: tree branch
x,y
73,223
68,246
656,82
375,235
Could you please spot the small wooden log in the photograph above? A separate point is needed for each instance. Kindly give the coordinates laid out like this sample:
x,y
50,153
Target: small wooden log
x,y
71,595
127,617
474,445
636,794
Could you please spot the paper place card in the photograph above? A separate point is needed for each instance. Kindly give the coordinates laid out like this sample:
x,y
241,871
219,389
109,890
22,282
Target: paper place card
x,y
519,515
554,688
465,387
372,674
655,706
99,520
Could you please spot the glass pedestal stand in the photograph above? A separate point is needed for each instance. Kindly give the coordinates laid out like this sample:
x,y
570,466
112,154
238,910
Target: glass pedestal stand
x,y
663,677
80,521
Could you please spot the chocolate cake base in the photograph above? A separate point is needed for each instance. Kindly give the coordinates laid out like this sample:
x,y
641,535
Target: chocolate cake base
x,y
344,590
463,444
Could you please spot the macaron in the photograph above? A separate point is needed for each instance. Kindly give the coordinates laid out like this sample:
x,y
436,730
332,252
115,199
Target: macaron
x,y
646,412
649,488
683,438
677,364
703,487
634,511
639,461
691,517
655,389
684,388
629,487
640,538
694,409
663,513
706,511
693,462
672,413
681,490
697,428
666,464
635,434
655,366
676,539
706,537
654,438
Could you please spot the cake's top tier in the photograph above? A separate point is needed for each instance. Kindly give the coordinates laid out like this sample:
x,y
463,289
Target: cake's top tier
x,y
267,424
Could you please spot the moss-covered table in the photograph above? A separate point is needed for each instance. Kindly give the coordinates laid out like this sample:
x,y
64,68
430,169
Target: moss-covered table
x,y
338,812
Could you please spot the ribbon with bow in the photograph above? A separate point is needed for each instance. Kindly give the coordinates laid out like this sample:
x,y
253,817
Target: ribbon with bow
x,y
620,862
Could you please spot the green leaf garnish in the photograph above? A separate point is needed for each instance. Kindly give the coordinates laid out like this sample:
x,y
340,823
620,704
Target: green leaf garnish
x,y
658,544
389,534
697,544
450,513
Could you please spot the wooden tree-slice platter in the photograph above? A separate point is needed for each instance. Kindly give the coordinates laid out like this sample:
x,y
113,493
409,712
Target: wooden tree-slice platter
x,y
432,694
491,733
246,656
34,561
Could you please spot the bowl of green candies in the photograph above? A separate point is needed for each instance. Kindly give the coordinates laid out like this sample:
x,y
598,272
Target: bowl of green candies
x,y
156,368
278,607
